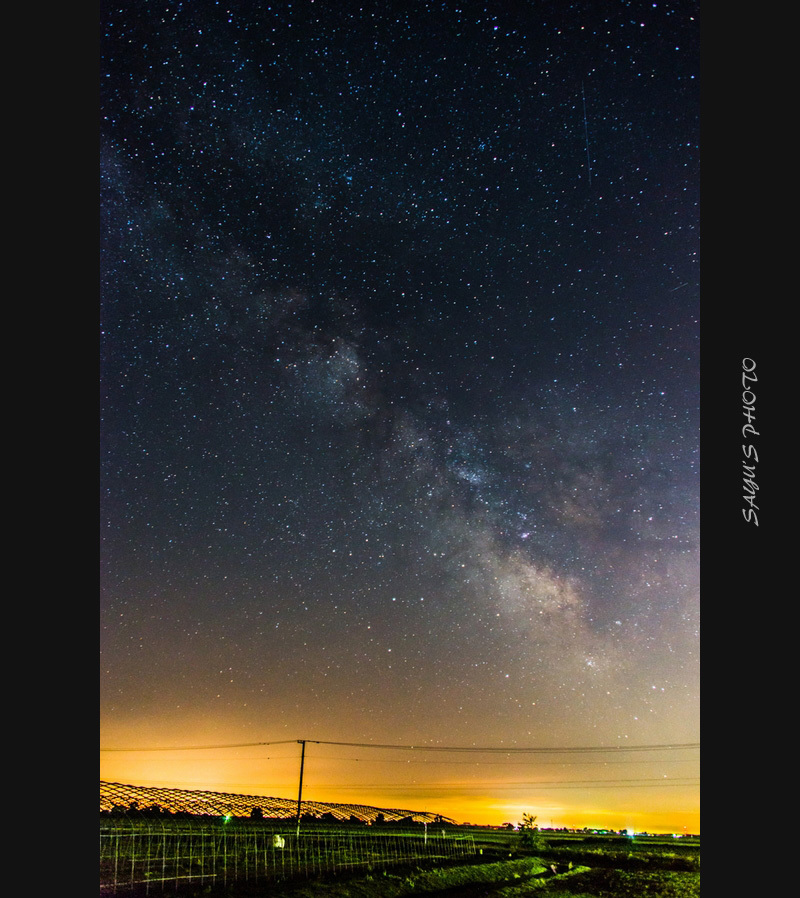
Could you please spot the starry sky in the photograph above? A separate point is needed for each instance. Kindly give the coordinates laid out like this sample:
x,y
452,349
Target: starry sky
x,y
399,367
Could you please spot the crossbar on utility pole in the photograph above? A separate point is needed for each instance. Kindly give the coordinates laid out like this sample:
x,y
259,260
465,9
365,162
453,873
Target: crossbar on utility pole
x,y
300,790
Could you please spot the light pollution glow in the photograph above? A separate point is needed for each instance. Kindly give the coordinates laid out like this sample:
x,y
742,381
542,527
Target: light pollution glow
x,y
561,792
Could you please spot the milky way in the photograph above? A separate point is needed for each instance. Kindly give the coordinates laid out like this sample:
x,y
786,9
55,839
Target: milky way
x,y
400,381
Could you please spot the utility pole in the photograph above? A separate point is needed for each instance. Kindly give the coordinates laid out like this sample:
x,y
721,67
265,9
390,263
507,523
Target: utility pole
x,y
300,791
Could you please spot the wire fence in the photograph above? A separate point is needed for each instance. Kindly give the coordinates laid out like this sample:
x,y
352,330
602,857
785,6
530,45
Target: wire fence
x,y
139,856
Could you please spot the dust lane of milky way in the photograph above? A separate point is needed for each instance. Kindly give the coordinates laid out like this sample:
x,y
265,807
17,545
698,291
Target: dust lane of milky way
x,y
400,398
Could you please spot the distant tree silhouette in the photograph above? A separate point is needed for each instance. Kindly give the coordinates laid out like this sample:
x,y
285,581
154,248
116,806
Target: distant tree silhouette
x,y
529,835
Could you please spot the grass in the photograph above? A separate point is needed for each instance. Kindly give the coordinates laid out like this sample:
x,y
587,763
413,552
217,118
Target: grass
x,y
621,884
508,878
580,868
460,880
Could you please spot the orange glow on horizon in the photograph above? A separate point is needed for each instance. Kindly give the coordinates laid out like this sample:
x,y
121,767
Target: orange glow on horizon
x,y
434,786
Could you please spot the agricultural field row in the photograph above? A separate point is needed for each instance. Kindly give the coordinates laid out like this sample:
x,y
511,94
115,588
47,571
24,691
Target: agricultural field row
x,y
577,870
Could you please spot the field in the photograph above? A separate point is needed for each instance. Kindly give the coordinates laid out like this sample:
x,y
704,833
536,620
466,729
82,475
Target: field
x,y
151,855
215,845
568,867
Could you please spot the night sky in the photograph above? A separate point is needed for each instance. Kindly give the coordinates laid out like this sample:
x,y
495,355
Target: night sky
x,y
400,402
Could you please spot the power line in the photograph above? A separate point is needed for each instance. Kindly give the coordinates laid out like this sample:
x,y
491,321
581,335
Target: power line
x,y
205,747
676,781
433,748
502,787
653,782
452,763
532,750
409,762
